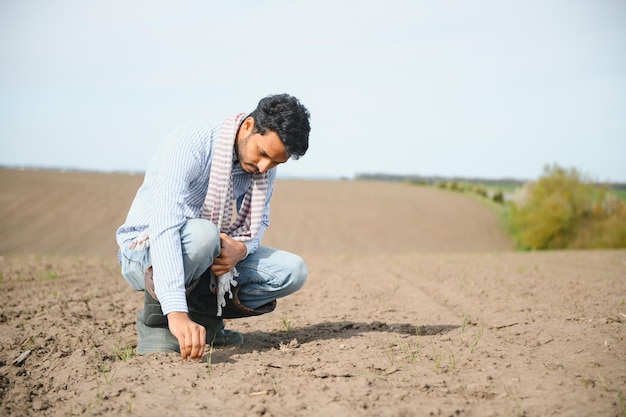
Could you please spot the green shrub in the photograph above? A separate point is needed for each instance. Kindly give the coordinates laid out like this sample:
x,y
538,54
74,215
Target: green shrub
x,y
481,191
607,226
564,210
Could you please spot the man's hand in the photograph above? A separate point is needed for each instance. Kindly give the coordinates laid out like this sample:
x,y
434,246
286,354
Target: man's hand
x,y
232,251
191,336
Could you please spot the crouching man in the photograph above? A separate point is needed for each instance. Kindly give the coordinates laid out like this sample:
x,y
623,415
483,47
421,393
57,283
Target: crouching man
x,y
180,245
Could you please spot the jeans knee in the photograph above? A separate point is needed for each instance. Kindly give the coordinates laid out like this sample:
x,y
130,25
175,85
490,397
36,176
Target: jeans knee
x,y
200,239
299,273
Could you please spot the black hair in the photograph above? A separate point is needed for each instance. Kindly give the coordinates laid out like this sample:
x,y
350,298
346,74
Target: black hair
x,y
285,115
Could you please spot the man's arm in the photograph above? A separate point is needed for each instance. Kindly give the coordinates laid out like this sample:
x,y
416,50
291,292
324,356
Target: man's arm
x,y
179,165
232,251
190,335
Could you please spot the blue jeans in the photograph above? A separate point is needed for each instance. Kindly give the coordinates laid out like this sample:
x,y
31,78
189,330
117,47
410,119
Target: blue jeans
x,y
264,276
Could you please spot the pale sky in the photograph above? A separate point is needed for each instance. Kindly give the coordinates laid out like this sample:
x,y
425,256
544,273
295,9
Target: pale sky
x,y
488,88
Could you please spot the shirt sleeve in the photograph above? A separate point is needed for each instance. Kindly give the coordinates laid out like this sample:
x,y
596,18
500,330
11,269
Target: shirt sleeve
x,y
180,163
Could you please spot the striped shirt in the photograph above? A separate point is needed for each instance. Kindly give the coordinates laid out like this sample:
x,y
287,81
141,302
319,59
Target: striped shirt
x,y
174,190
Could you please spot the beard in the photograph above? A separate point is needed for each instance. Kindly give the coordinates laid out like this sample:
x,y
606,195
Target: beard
x,y
241,150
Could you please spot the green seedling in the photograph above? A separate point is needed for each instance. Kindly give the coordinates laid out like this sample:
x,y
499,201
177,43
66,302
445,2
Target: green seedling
x,y
28,343
274,386
585,382
125,353
602,381
209,360
437,357
479,334
375,375
99,397
107,374
122,353
407,351
209,356
452,359
390,355
48,276
286,325
518,408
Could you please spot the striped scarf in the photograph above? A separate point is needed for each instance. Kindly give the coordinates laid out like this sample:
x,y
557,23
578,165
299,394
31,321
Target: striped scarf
x,y
218,204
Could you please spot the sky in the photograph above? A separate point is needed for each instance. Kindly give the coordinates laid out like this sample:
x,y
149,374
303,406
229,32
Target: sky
x,y
487,88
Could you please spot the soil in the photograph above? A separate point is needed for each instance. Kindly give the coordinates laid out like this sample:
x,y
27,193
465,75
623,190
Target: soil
x,y
417,304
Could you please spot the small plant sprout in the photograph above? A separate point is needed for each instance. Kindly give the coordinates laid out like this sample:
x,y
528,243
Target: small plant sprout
x,y
48,276
107,373
452,359
287,327
209,360
376,374
391,356
122,353
519,412
602,381
464,324
28,343
479,334
622,403
209,356
408,352
274,386
585,382
437,357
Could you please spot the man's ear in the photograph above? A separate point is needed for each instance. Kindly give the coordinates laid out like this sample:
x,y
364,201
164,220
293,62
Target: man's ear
x,y
248,125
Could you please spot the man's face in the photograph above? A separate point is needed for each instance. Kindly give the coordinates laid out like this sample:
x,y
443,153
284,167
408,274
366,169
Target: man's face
x,y
256,152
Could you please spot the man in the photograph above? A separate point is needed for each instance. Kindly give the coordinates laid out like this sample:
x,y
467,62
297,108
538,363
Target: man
x,y
179,244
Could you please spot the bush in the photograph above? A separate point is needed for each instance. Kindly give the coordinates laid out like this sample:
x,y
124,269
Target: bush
x,y
481,191
563,210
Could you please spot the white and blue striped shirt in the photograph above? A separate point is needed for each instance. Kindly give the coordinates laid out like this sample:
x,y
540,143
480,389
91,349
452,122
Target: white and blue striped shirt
x,y
174,189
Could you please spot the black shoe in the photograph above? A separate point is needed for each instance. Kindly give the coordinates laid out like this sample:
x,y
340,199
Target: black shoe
x,y
154,335
204,302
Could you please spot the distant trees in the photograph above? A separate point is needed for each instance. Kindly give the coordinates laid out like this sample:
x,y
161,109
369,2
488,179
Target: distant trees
x,y
562,210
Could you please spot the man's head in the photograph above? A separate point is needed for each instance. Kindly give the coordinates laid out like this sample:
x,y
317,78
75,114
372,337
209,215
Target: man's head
x,y
278,129
284,115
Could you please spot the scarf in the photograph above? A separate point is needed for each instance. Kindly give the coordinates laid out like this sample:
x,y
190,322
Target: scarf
x,y
218,203
218,208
